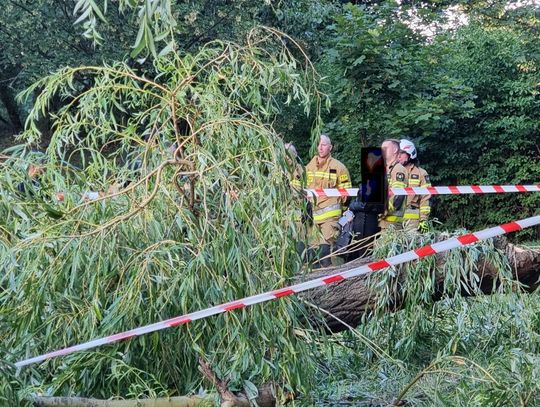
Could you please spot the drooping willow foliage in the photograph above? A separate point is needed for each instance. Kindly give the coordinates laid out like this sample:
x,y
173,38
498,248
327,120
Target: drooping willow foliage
x,y
421,283
443,347
199,212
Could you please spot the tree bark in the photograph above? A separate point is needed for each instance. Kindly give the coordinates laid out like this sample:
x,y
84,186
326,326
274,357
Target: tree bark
x,y
266,394
347,301
192,401
350,299
7,97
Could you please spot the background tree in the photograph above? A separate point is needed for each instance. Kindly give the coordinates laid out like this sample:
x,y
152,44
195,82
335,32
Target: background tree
x,y
499,143
38,37
90,33
467,97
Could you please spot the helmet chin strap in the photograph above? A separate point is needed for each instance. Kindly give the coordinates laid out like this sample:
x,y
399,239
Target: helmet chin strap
x,y
408,161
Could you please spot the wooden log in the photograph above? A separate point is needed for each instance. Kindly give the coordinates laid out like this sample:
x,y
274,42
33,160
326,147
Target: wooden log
x,y
350,299
191,401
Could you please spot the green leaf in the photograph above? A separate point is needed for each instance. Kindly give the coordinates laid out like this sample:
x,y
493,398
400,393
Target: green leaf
x,y
359,60
423,117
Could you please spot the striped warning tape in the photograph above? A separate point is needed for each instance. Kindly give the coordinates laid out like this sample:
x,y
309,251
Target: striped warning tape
x,y
449,190
294,289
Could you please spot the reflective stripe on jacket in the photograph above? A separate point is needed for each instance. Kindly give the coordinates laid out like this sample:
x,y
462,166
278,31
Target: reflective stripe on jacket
x,y
396,176
329,173
418,204
327,213
411,213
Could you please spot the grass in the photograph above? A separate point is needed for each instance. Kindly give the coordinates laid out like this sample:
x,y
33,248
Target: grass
x,y
482,351
474,351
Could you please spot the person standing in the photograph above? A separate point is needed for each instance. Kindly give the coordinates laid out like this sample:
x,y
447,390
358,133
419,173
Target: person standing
x,y
324,171
417,207
396,176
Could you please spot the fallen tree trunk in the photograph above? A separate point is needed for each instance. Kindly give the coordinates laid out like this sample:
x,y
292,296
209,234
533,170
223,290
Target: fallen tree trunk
x,y
349,300
192,401
266,398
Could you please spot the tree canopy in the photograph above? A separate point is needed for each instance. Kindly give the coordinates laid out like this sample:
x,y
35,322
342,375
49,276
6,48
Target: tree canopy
x,y
468,98
207,201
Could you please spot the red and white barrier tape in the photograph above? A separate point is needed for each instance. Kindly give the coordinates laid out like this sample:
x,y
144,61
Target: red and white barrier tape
x,y
294,289
450,190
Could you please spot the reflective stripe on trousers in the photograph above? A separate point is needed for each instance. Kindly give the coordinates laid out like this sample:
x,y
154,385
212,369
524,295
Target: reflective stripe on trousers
x,y
328,212
411,214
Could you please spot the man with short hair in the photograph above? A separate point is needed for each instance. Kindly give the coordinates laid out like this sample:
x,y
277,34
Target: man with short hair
x,y
397,177
324,171
417,208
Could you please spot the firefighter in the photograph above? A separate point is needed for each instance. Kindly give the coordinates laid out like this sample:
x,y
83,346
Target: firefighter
x,y
418,207
324,171
396,176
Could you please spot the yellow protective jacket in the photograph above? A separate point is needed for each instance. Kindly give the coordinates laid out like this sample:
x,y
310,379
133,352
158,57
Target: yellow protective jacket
x,y
418,206
330,173
397,177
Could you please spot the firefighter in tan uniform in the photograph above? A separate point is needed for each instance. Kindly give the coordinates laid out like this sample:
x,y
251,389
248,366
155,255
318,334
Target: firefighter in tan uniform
x,y
418,207
397,177
323,171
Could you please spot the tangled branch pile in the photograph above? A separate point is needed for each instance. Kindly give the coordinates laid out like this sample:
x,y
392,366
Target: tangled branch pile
x,y
205,220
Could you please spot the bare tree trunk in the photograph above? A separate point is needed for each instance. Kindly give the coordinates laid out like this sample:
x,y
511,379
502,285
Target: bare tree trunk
x,y
350,299
7,97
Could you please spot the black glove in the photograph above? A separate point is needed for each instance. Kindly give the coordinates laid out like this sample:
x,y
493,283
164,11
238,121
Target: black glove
x,y
307,214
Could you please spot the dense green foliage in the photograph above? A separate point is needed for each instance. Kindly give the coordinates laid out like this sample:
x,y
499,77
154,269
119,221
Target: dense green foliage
x,y
457,93
105,31
498,142
480,351
27,54
211,223
215,221
468,98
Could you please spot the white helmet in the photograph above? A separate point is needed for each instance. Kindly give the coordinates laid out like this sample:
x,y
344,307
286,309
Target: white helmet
x,y
408,147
